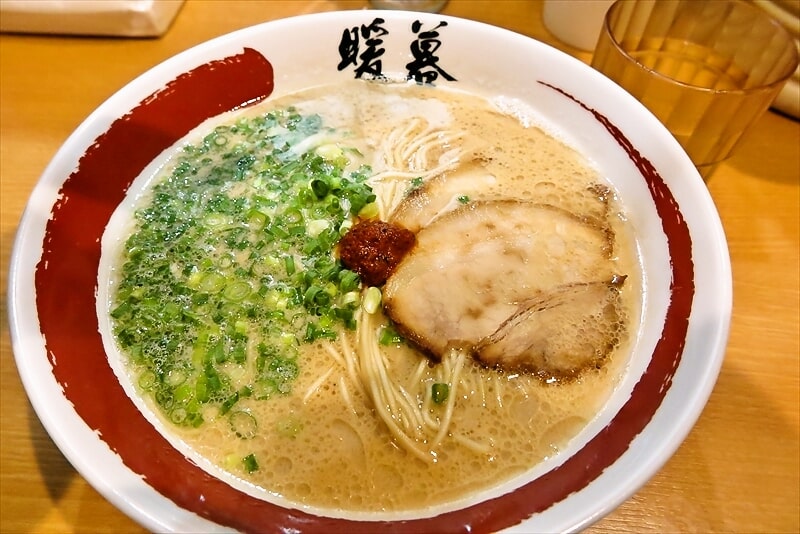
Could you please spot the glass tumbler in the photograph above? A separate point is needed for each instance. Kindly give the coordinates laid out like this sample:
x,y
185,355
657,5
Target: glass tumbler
x,y
708,69
432,6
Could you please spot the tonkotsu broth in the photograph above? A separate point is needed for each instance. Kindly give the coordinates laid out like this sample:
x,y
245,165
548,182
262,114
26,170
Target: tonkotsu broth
x,y
323,445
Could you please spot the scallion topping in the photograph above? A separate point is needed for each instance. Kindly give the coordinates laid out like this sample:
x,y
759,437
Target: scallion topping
x,y
230,266
372,299
389,336
439,392
250,463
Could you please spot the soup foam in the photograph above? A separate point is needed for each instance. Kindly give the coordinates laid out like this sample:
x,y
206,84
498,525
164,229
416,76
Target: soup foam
x,y
322,447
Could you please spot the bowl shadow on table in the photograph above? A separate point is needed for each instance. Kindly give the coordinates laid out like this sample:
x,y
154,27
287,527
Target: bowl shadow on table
x,y
57,472
712,451
748,155
59,476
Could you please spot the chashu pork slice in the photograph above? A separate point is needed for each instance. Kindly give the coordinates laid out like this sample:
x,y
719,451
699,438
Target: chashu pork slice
x,y
441,194
474,267
561,333
472,180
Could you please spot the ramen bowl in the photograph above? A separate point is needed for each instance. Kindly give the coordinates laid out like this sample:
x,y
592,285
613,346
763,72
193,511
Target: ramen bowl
x,y
117,444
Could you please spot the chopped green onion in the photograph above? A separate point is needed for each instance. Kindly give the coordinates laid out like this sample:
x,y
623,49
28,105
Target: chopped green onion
x,y
315,227
372,299
289,427
439,392
293,215
389,336
346,225
233,399
122,310
330,152
351,297
320,188
257,220
178,415
211,283
236,290
348,280
316,297
216,219
231,265
369,211
175,377
250,463
147,380
243,424
289,263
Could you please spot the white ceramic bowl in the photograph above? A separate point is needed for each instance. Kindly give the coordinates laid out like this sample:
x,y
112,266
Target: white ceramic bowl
x,y
53,275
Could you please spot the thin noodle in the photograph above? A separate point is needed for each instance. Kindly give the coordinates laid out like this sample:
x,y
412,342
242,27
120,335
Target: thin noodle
x,y
346,394
398,412
427,416
408,151
396,151
393,175
416,378
498,391
446,368
523,388
474,446
384,411
374,357
417,149
335,354
421,146
412,411
451,400
482,388
406,419
351,361
317,384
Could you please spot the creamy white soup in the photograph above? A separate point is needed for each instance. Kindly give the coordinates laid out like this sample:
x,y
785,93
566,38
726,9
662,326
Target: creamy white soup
x,y
375,297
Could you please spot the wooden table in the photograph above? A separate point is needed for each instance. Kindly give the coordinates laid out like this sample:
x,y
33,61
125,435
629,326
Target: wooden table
x,y
739,468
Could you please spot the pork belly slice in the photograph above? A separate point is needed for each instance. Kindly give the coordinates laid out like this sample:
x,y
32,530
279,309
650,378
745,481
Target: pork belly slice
x,y
559,334
474,267
472,180
441,193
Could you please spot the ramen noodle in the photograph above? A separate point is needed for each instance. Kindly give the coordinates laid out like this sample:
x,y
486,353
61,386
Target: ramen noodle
x,y
491,340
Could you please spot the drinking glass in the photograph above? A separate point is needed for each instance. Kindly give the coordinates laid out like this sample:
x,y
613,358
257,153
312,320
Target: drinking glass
x,y
708,69
432,6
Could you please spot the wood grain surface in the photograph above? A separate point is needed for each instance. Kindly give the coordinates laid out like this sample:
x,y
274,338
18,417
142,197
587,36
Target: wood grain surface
x,y
739,468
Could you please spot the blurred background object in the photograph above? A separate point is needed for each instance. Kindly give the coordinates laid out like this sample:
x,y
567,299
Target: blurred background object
x,y
575,22
124,18
787,12
432,6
